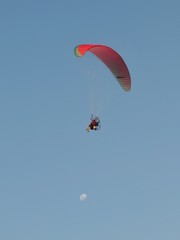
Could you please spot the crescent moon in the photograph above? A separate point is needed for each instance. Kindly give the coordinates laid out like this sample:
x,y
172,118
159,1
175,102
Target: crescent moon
x,y
83,197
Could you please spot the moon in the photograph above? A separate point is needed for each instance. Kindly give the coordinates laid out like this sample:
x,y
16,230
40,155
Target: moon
x,y
83,197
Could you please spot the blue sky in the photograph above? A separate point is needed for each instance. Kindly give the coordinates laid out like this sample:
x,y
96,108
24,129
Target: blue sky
x,y
130,168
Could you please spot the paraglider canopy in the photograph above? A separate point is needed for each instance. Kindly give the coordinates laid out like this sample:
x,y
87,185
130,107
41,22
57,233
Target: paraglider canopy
x,y
111,59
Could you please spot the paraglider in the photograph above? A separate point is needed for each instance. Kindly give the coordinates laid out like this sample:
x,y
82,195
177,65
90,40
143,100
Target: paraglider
x,y
111,59
114,63
94,124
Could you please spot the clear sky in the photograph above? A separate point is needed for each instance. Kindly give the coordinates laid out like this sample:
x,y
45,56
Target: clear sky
x,y
130,169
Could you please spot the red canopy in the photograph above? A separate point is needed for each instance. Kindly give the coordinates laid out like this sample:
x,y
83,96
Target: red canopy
x,y
111,59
